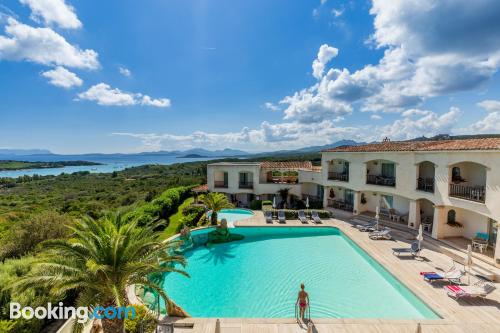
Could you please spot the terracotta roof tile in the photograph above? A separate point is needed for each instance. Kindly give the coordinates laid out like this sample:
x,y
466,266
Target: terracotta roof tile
x,y
201,188
438,145
287,165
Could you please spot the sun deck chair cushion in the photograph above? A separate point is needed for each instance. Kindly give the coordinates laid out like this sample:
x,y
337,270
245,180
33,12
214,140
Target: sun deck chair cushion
x,y
433,276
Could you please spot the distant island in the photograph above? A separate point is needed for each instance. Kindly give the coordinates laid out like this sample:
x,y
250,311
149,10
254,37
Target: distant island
x,y
192,156
10,165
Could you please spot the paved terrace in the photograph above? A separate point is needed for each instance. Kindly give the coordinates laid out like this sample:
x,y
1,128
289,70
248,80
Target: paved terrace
x,y
479,315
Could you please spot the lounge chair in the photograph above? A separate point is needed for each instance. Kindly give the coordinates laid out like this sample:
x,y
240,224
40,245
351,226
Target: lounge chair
x,y
381,234
414,250
281,216
370,226
269,216
302,216
315,217
479,289
453,276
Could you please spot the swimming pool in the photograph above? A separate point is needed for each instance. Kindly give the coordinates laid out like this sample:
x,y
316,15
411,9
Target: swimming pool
x,y
259,277
234,214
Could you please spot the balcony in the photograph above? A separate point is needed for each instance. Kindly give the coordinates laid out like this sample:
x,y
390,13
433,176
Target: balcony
x,y
340,204
220,184
339,176
246,185
473,193
425,184
381,180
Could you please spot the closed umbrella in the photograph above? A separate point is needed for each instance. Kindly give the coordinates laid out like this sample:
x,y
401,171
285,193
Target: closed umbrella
x,y
469,260
420,238
274,205
377,214
307,204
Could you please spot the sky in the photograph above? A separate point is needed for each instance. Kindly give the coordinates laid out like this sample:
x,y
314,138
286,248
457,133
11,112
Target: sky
x,y
81,76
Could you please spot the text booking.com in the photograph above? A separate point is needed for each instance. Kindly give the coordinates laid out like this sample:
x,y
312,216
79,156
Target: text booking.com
x,y
80,314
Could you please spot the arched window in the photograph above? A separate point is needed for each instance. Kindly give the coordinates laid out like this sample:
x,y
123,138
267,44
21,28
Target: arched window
x,y
451,216
455,174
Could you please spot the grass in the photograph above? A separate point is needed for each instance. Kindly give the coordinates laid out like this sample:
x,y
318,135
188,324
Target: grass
x,y
175,219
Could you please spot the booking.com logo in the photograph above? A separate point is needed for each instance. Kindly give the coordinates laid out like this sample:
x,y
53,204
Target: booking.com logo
x,y
81,314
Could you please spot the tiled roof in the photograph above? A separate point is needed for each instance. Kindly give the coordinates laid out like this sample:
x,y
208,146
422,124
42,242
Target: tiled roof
x,y
286,165
438,145
201,188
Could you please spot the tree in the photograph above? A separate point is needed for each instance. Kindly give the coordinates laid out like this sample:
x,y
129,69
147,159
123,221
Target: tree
x,y
100,260
215,202
283,192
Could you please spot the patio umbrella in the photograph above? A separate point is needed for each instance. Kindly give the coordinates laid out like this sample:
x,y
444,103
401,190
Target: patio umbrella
x,y
307,204
469,260
377,214
274,205
420,237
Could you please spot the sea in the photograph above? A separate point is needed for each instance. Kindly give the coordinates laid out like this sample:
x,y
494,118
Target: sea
x,y
109,163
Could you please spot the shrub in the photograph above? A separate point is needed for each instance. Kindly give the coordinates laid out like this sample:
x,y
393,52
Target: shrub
x,y
161,207
143,318
256,205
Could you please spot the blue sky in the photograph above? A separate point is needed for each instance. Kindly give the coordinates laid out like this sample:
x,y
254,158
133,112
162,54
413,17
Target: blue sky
x,y
125,76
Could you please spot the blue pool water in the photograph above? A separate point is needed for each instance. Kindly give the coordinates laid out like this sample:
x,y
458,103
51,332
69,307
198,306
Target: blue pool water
x,y
234,214
260,276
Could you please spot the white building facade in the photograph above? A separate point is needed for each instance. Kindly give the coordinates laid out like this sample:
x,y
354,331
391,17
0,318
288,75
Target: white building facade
x,y
452,187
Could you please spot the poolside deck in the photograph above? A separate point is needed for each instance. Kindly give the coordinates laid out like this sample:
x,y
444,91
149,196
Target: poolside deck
x,y
481,315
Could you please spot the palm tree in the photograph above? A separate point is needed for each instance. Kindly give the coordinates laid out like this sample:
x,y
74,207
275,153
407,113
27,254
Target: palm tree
x,y
100,260
215,202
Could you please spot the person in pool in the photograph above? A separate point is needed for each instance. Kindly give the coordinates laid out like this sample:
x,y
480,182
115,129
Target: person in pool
x,y
302,301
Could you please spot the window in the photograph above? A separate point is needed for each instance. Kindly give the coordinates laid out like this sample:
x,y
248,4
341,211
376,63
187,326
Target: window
x,y
225,178
387,201
451,216
349,197
455,174
388,170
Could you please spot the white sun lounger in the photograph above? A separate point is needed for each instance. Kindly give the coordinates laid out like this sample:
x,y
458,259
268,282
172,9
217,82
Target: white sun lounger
x,y
480,289
381,234
302,216
315,217
269,216
281,217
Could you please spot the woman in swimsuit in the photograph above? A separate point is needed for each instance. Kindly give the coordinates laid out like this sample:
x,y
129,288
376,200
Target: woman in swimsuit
x,y
302,301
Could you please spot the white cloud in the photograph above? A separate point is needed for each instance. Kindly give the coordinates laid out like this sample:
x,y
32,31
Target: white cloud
x,y
429,124
124,71
103,94
428,52
271,106
43,46
488,125
375,117
490,105
53,12
337,12
325,54
61,77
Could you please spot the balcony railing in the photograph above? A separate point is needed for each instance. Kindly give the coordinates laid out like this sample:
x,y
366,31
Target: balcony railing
x,y
340,204
425,184
311,197
340,176
381,180
220,184
473,193
247,185
283,180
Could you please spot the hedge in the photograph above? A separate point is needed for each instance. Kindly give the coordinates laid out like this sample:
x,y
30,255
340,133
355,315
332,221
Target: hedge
x,y
161,207
256,205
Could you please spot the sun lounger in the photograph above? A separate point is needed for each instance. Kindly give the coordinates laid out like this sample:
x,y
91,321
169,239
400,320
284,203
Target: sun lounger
x,y
302,216
315,217
479,289
281,216
370,226
269,216
452,276
381,234
414,249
